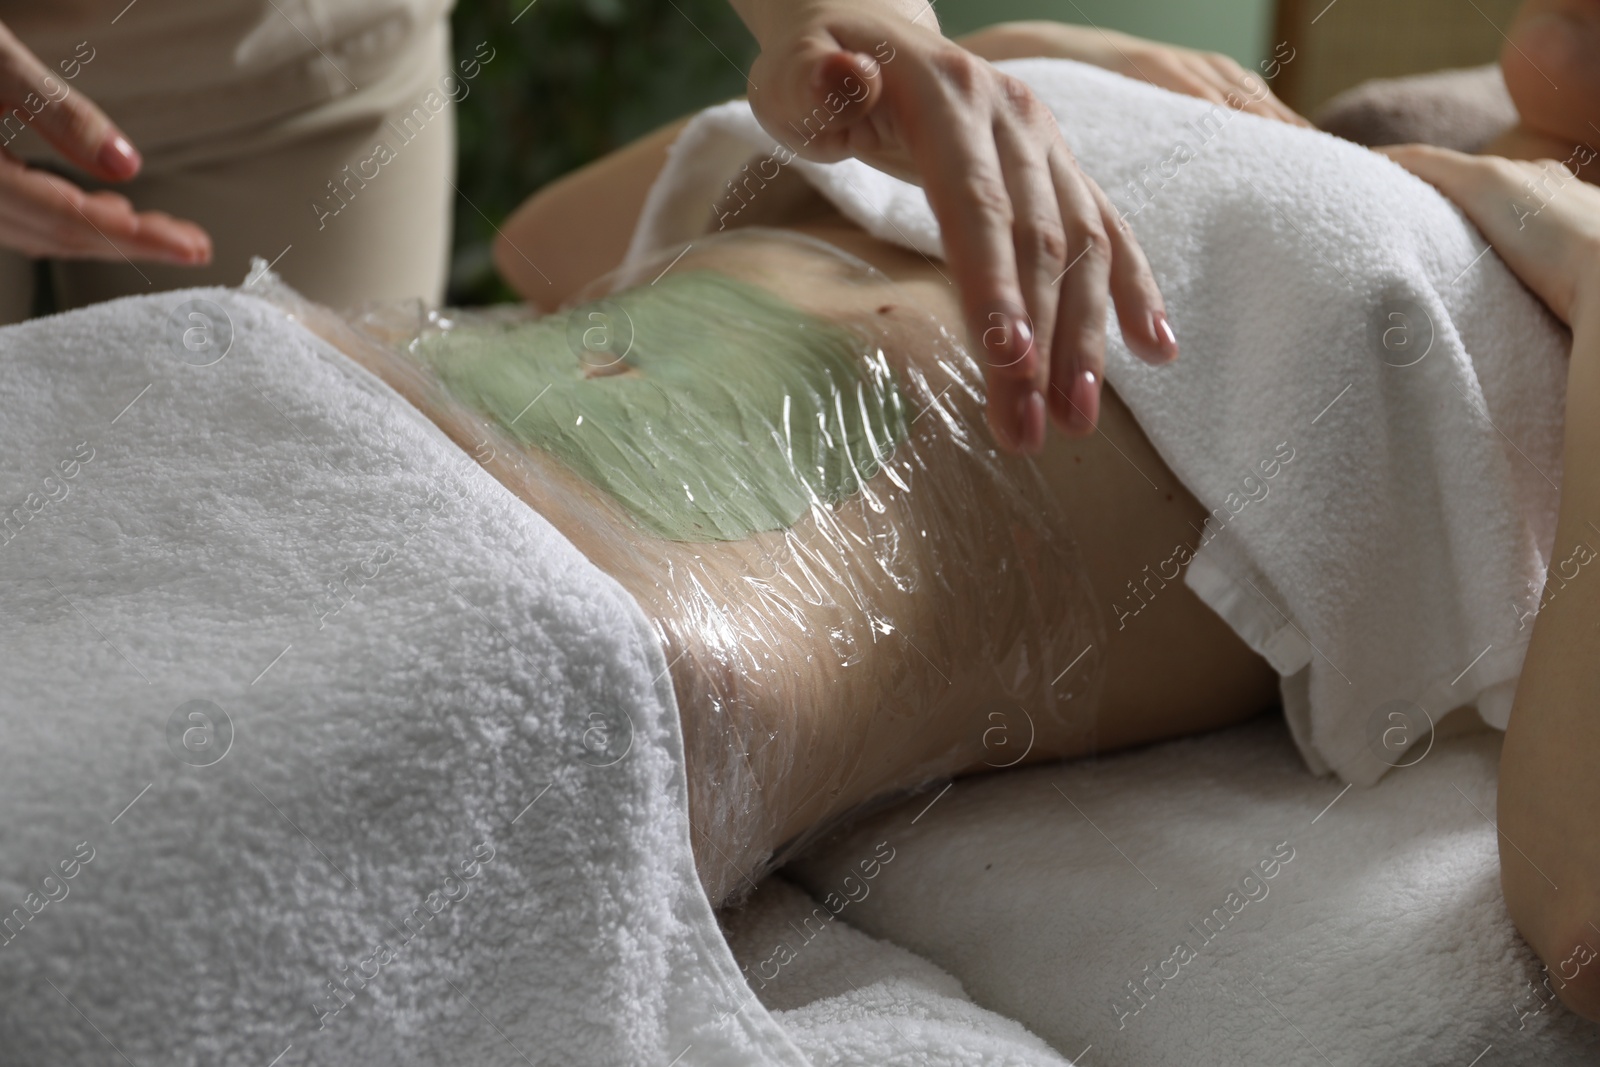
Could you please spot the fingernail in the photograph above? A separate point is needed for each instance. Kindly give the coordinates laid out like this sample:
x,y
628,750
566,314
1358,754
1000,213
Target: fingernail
x,y
826,75
1030,422
1084,409
119,157
1008,342
1021,341
1162,330
190,252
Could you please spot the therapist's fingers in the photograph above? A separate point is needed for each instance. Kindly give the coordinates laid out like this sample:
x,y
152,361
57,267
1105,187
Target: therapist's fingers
x,y
68,120
1078,349
1017,414
1077,364
42,214
1141,310
846,87
1038,232
954,151
171,239
812,95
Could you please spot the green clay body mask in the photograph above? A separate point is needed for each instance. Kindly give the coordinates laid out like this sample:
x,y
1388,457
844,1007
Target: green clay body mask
x,y
706,406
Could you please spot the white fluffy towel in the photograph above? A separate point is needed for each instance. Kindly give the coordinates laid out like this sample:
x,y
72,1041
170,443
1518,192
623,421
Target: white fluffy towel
x,y
1367,400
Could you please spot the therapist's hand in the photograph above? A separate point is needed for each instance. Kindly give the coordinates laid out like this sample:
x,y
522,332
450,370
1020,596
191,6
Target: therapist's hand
x,y
1034,245
43,214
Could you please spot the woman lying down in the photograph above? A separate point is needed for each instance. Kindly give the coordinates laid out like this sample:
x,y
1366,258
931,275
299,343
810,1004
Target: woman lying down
x,y
774,439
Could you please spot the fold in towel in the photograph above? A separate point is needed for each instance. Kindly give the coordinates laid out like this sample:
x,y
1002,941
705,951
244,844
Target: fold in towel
x,y
846,998
1368,401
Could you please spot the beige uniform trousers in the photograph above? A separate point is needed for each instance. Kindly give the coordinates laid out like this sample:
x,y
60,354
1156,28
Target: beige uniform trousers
x,y
332,158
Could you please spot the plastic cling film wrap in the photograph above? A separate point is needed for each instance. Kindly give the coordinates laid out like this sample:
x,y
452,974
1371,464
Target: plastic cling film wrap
x,y
785,462
701,433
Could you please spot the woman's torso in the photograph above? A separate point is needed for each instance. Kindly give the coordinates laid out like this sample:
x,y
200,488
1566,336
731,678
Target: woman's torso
x,y
962,594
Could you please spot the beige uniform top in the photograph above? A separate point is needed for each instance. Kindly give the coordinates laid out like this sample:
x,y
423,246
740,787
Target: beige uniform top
x,y
193,80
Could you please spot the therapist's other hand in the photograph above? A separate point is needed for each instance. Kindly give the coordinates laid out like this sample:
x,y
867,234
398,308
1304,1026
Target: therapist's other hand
x,y
1540,217
1033,243
1207,75
43,214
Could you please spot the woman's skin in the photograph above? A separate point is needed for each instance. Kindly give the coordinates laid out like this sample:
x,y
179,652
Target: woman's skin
x,y
1551,63
1549,788
1546,226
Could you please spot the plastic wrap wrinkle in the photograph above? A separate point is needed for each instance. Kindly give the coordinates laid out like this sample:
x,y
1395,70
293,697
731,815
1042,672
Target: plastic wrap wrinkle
x,y
895,590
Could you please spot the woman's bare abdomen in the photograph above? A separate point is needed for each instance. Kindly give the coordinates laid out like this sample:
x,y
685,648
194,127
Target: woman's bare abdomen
x,y
949,618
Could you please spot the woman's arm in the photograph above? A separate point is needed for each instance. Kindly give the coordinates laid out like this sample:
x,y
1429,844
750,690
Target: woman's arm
x,y
1207,75
1550,764
577,228
1545,223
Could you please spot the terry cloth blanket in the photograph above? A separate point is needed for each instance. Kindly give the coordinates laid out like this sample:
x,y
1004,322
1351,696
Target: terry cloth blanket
x,y
1368,400
1207,903
318,747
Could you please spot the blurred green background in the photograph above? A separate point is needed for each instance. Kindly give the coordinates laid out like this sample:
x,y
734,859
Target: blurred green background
x,y
574,79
